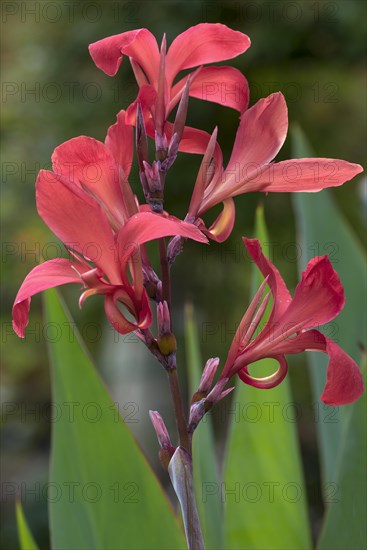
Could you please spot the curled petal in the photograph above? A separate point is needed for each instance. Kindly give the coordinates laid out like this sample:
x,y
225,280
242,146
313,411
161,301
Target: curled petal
x,y
139,44
204,43
47,275
224,85
222,227
141,311
266,382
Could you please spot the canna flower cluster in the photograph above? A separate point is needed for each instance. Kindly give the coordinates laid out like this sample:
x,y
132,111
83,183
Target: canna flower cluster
x,y
87,201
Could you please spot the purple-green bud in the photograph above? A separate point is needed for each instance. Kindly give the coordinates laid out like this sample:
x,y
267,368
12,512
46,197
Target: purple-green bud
x,y
167,450
163,318
141,138
197,411
181,114
160,429
160,105
166,340
207,377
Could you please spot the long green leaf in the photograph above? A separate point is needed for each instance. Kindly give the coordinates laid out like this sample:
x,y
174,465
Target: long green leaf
x,y
206,473
345,522
103,493
264,495
323,230
26,539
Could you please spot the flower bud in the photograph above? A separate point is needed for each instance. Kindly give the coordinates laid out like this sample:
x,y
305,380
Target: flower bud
x,y
160,429
197,411
167,450
206,379
175,247
166,340
141,138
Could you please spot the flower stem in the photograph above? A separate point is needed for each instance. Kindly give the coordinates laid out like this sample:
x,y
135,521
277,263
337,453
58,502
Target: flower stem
x,y
193,531
166,283
184,436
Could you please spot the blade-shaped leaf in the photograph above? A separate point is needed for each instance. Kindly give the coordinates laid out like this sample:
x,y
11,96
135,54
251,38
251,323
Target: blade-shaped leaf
x,y
103,493
345,522
323,230
264,495
26,540
206,474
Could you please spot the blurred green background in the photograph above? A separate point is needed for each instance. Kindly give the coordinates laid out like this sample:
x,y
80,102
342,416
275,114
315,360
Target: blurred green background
x,y
314,52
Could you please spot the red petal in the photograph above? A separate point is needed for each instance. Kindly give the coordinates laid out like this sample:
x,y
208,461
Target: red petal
x,y
301,175
261,134
89,162
201,44
281,295
266,382
120,141
344,383
119,321
139,44
47,275
146,226
224,85
221,229
319,296
77,220
146,97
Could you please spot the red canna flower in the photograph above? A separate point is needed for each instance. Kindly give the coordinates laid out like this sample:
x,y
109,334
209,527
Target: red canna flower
x,y
87,202
318,299
155,71
260,136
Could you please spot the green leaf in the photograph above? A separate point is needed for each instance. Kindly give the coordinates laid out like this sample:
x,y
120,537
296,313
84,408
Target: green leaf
x,y
264,494
103,493
345,522
26,539
323,230
206,474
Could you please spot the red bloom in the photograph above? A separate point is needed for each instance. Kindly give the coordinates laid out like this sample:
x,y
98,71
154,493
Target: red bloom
x,y
197,46
318,299
155,71
260,136
88,203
